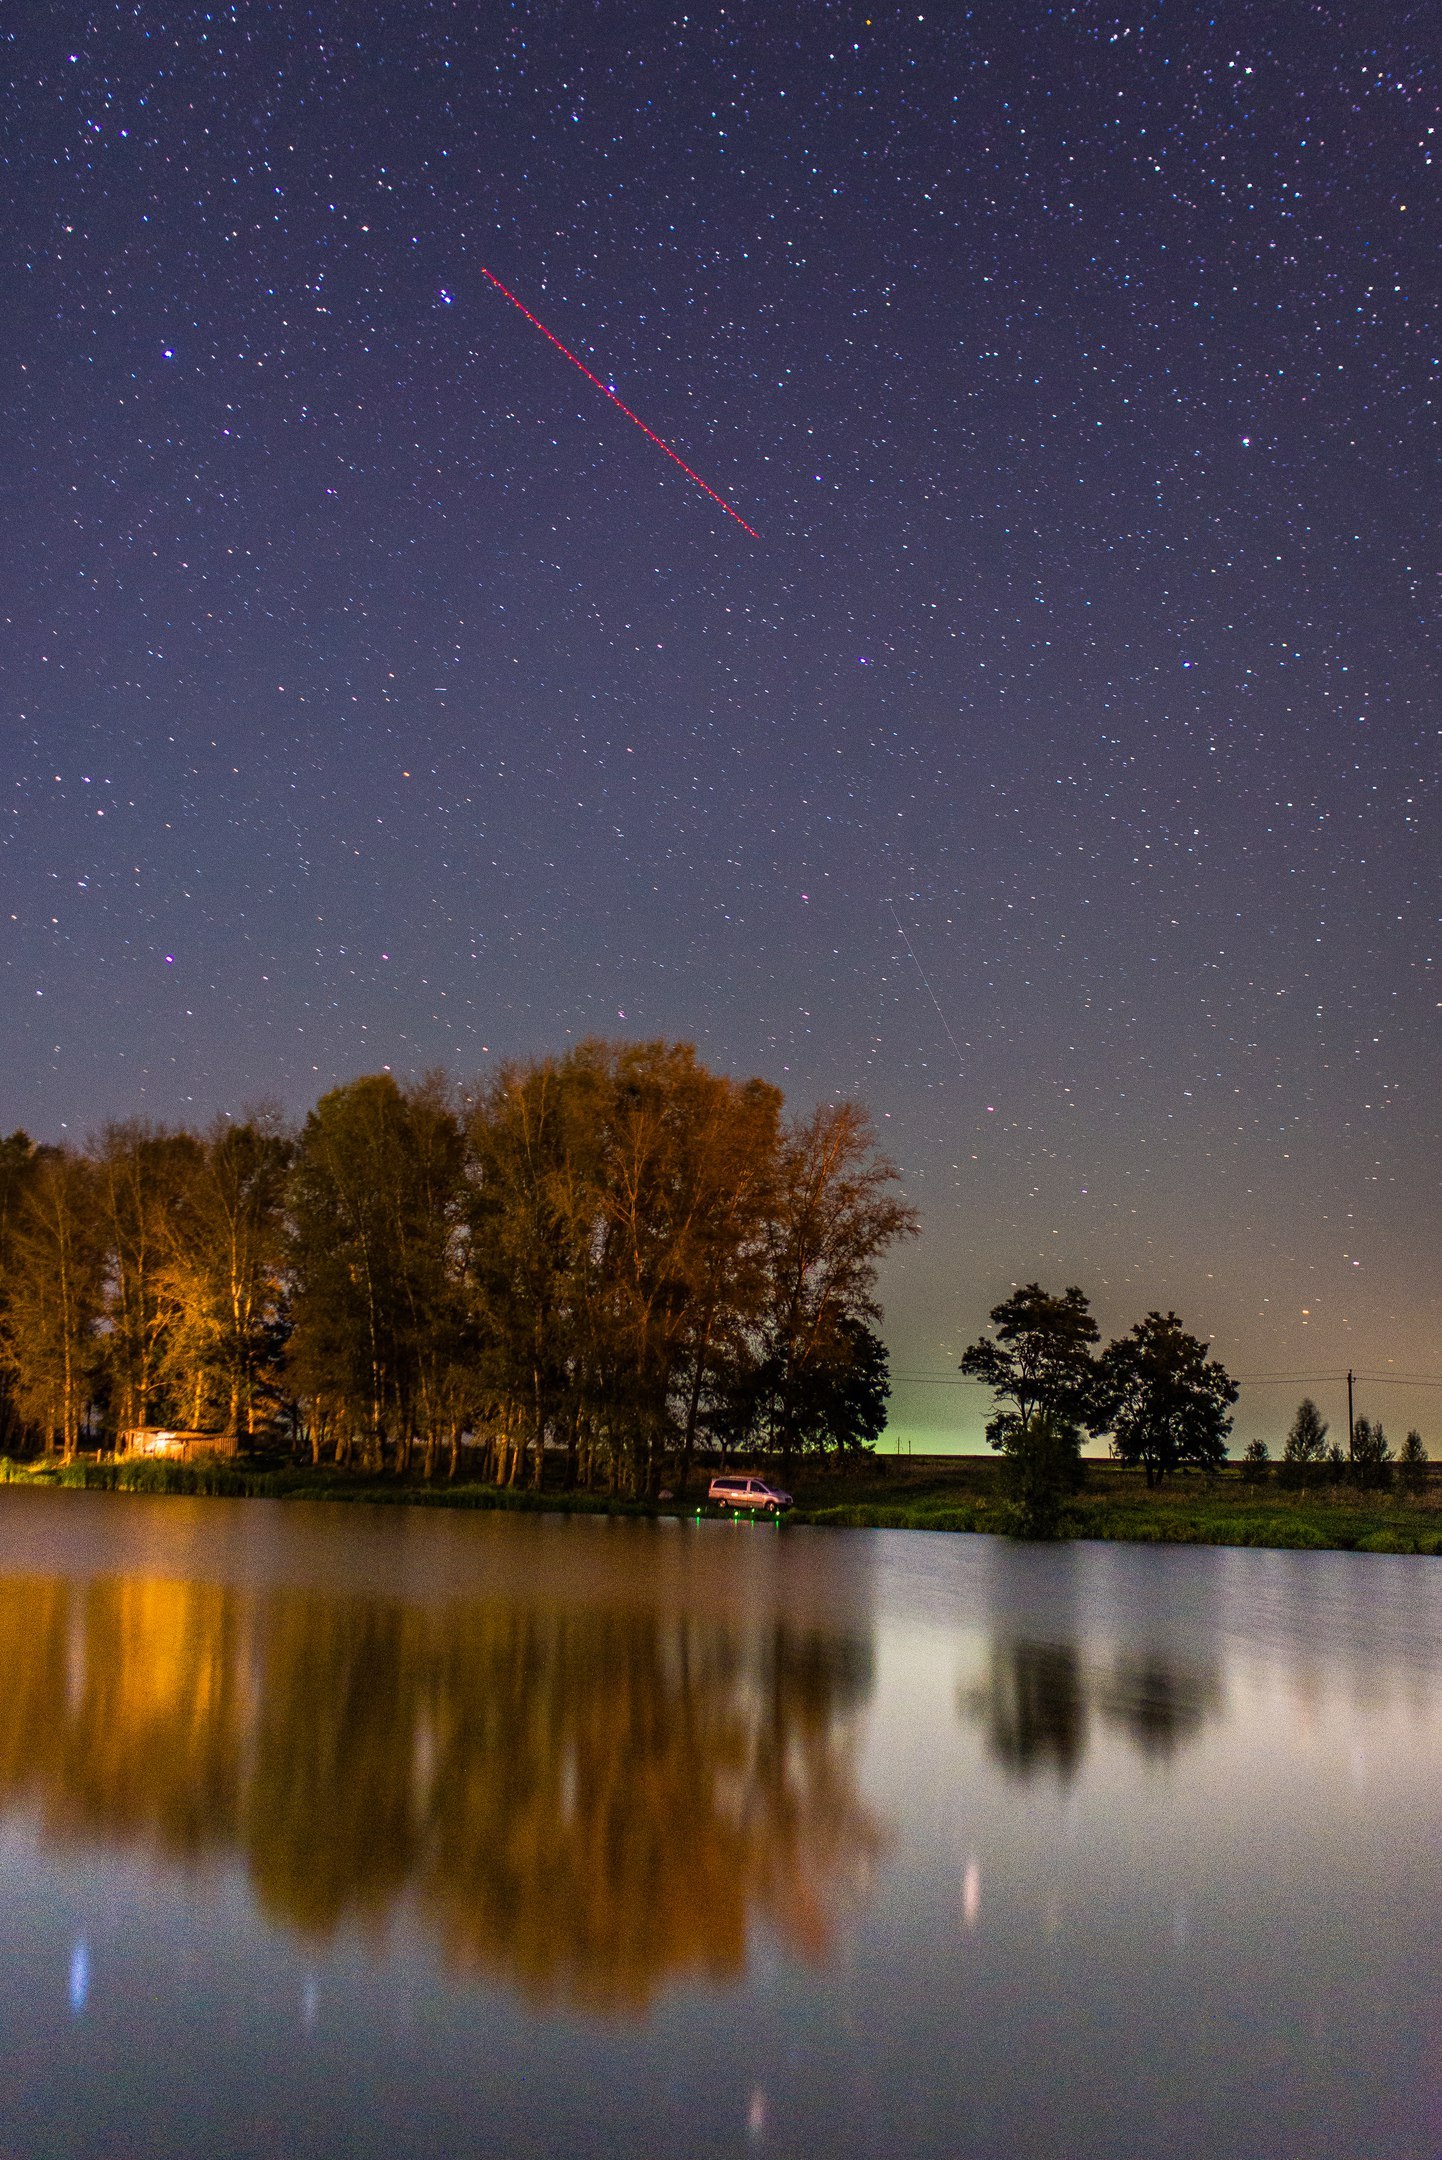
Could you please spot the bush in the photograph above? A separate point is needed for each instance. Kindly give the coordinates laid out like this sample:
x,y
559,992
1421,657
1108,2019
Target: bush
x,y
950,1518
1279,1534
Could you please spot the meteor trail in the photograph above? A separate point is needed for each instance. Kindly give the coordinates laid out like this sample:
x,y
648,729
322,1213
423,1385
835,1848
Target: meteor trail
x,y
926,980
606,391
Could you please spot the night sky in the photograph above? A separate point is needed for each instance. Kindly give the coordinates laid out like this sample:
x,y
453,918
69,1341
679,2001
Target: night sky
x,y
375,694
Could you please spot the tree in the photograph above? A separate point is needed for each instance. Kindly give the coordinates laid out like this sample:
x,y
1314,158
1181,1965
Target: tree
x,y
835,1214
1039,1366
1041,1361
221,1279
533,1200
689,1178
655,1263
1255,1460
56,1296
1371,1454
729,1281
834,1400
375,1209
1304,1456
1163,1399
1412,1460
1307,1437
619,1253
141,1186
853,1390
619,1198
17,1160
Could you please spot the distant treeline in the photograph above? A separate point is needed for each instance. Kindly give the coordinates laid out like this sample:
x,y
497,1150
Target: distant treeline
x,y
614,1252
1157,1392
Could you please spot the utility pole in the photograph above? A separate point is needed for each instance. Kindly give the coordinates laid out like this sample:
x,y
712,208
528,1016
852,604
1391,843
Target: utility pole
x,y
1351,1421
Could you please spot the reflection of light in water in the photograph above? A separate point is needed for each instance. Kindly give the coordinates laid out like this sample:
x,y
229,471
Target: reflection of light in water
x,y
79,1975
971,1893
423,1758
309,2005
75,1660
756,2115
594,1797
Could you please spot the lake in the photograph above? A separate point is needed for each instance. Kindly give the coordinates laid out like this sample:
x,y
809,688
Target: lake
x,y
331,1830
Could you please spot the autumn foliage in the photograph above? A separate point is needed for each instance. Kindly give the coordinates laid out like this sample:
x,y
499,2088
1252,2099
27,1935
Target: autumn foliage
x,y
614,1260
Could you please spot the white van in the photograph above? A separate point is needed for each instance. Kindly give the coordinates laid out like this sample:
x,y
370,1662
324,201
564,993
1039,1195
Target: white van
x,y
748,1492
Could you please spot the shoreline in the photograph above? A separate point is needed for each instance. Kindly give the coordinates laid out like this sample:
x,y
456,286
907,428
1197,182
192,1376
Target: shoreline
x,y
1225,1512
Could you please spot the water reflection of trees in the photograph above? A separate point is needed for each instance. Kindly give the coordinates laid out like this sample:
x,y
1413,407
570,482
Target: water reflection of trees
x,y
588,1802
1040,1700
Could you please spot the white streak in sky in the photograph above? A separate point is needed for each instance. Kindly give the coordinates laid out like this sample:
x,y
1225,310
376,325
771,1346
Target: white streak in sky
x,y
921,971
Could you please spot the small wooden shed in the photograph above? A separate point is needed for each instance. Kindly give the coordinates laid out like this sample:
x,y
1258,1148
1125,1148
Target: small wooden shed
x,y
169,1445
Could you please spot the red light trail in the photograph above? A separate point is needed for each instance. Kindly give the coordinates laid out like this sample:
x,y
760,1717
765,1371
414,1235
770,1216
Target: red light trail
x,y
606,391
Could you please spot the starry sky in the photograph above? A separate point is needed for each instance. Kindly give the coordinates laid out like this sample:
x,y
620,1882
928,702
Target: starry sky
x,y
1057,770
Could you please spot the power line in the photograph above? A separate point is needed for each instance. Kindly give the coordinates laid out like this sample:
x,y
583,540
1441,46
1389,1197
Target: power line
x,y
1336,1379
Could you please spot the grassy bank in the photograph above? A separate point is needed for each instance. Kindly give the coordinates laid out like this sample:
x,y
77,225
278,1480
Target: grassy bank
x,y
242,1481
1116,1504
960,1495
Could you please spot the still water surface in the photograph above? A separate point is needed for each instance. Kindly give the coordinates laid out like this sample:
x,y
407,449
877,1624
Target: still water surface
x,y
366,1831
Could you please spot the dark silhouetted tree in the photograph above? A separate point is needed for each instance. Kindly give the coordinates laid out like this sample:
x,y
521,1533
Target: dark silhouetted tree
x,y
1039,1367
1371,1455
1041,1359
1164,1399
835,1400
1412,1463
1307,1436
1304,1455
